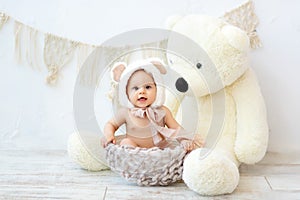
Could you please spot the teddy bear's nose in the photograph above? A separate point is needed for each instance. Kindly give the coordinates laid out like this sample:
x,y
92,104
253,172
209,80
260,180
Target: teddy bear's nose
x,y
181,85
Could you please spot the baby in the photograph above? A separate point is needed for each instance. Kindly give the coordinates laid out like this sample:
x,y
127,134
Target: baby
x,y
141,93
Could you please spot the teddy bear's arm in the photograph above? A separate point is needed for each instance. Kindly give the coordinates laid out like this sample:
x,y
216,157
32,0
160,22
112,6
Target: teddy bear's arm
x,y
252,128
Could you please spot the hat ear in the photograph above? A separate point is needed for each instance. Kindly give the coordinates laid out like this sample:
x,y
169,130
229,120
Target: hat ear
x,y
117,71
159,65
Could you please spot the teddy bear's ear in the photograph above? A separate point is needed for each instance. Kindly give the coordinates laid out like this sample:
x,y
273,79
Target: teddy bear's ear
x,y
117,71
245,18
236,37
172,20
159,65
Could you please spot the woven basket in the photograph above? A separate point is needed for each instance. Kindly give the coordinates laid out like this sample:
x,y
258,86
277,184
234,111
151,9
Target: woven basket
x,y
147,167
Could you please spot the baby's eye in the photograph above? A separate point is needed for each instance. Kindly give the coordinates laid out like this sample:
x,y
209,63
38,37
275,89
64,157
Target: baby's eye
x,y
148,87
135,88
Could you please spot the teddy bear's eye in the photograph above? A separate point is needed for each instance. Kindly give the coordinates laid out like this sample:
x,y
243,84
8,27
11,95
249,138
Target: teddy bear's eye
x,y
181,85
199,65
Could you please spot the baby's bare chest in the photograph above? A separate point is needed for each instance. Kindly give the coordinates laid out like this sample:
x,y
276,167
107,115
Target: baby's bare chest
x,y
140,126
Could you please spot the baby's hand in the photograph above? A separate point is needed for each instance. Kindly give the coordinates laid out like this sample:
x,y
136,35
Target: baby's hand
x,y
188,145
105,141
198,141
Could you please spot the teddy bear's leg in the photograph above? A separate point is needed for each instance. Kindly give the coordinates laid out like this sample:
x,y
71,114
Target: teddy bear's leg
x,y
86,150
252,128
214,174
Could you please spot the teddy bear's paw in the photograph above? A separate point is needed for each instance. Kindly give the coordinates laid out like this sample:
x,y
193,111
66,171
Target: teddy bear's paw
x,y
213,175
251,150
85,152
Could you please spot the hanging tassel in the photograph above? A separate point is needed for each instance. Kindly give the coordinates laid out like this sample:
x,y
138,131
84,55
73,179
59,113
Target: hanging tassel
x,y
154,50
92,66
245,18
83,56
125,54
3,19
18,35
27,48
83,51
163,46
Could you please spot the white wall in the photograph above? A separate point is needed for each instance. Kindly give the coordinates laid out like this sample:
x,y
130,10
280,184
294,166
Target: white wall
x,y
34,115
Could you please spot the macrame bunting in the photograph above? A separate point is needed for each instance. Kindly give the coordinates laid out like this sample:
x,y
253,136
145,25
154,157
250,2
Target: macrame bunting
x,y
57,51
156,50
83,51
27,45
245,18
90,69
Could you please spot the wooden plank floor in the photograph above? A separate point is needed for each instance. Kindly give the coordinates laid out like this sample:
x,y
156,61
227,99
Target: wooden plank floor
x,y
52,175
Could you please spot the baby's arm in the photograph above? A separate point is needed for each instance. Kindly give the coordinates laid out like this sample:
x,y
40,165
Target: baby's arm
x,y
172,123
169,119
111,126
109,132
188,144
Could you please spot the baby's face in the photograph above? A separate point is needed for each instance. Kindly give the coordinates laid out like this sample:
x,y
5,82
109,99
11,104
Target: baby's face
x,y
141,89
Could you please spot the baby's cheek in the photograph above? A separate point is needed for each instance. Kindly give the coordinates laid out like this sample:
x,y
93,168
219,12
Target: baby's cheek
x,y
132,95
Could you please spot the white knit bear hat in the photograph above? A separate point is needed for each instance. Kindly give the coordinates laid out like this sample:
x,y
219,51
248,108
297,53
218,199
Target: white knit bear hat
x,y
121,73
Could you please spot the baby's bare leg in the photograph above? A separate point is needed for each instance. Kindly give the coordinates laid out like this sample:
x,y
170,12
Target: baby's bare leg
x,y
128,142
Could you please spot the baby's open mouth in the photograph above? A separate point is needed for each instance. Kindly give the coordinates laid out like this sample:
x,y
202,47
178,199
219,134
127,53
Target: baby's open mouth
x,y
142,99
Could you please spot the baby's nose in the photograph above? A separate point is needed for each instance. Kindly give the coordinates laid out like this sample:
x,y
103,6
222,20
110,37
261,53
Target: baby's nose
x,y
142,90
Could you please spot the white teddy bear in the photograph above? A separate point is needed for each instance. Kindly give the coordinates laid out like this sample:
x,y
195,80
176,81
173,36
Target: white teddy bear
x,y
226,91
243,135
